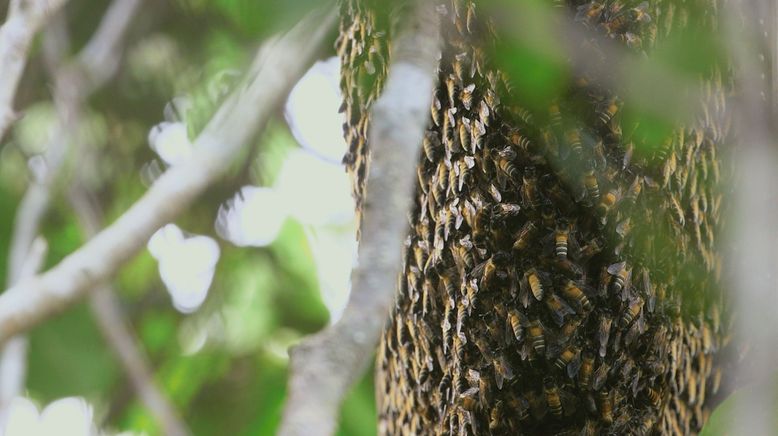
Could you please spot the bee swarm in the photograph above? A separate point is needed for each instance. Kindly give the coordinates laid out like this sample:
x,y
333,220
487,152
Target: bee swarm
x,y
556,280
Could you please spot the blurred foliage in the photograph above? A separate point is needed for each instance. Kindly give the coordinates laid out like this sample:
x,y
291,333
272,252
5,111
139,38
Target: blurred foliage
x,y
224,366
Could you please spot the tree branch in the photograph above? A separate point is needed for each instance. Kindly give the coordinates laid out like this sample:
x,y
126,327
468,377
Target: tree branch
x,y
752,252
324,366
25,18
275,70
117,332
13,369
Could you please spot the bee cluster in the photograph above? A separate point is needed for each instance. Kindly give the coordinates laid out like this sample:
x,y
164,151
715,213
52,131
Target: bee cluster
x,y
556,280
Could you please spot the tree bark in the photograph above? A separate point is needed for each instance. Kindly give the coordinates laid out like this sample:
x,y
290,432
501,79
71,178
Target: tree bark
x,y
561,274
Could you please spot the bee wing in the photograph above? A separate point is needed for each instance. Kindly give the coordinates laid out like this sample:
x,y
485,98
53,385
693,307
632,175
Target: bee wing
x,y
569,402
614,269
478,270
561,310
524,292
574,366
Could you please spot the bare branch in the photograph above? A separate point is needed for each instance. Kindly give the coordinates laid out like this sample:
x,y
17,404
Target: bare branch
x,y
752,281
117,331
323,367
277,67
13,369
25,18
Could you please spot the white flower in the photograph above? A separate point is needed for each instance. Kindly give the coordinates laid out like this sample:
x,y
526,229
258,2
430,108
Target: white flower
x,y
186,265
312,111
171,142
253,218
71,416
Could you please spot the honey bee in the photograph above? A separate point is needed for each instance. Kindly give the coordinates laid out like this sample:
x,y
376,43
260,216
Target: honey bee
x,y
608,201
605,400
587,368
639,14
591,185
468,399
422,179
444,388
464,133
521,406
509,168
533,281
551,393
483,112
566,357
606,110
569,328
537,337
435,111
496,416
516,321
431,145
529,188
555,115
590,13
604,332
519,140
504,211
677,210
590,428
632,311
573,137
502,370
558,308
525,236
573,293
561,237
592,248
654,397
600,376
646,425
621,275
466,96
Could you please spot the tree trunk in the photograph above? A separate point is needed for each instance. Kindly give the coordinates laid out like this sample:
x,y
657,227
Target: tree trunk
x,y
556,280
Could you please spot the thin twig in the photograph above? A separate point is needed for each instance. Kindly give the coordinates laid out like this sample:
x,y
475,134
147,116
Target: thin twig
x,y
275,70
323,367
25,19
117,331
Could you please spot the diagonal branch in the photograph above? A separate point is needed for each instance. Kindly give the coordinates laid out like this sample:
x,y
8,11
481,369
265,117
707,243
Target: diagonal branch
x,y
25,19
275,70
324,366
116,329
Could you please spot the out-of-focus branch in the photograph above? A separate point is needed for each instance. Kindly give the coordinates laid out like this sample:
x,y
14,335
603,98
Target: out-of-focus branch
x,y
69,91
752,256
25,18
324,366
13,370
275,70
117,331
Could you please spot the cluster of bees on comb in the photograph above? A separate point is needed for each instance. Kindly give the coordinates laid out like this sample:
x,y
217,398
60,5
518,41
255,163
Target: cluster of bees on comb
x,y
556,279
